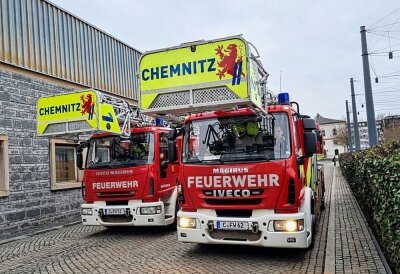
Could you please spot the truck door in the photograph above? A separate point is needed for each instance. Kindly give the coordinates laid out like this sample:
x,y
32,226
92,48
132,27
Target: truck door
x,y
167,171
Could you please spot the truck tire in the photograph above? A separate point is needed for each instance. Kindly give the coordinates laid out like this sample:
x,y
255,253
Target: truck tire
x,y
314,221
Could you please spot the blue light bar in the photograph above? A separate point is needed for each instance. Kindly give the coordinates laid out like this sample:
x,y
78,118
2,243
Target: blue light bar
x,y
283,98
159,122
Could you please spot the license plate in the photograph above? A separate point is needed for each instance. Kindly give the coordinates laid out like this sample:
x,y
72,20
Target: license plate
x,y
223,225
114,211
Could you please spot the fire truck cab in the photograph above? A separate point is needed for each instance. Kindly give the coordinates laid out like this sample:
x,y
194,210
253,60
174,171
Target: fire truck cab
x,y
248,178
128,181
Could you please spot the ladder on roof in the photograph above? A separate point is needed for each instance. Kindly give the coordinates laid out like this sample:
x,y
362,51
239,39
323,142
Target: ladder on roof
x,y
220,74
87,112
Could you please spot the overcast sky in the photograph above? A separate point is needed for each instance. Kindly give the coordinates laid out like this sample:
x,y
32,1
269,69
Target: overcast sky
x,y
316,44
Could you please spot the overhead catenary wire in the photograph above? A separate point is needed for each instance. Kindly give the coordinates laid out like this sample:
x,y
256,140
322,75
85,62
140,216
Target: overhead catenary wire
x,y
385,41
372,66
387,109
398,19
372,52
387,36
386,16
383,31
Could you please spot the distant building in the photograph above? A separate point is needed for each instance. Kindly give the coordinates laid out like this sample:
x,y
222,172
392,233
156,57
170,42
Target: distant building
x,y
363,132
390,121
383,124
329,129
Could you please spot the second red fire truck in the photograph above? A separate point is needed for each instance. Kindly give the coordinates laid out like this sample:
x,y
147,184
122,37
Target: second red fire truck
x,y
248,172
127,180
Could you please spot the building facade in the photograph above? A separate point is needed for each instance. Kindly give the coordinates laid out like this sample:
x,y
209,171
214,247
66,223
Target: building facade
x,y
44,50
330,129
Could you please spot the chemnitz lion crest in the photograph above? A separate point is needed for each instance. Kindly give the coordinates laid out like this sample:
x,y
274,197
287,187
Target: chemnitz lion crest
x,y
87,105
231,62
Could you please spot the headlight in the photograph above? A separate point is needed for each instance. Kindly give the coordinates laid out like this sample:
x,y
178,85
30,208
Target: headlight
x,y
289,225
150,210
185,222
87,211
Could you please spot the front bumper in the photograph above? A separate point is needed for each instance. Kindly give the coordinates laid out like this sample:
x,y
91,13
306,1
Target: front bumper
x,y
260,233
132,216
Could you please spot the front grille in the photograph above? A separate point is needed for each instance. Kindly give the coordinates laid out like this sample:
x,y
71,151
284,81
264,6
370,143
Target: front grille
x,y
237,201
246,213
116,194
241,236
117,218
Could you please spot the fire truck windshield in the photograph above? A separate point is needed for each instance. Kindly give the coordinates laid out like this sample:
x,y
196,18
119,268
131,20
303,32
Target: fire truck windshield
x,y
237,139
115,152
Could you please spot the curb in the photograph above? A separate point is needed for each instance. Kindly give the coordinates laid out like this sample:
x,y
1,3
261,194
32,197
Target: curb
x,y
37,232
330,255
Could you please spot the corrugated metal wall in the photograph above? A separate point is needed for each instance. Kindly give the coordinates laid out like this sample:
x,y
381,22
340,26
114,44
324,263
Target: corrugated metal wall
x,y
37,35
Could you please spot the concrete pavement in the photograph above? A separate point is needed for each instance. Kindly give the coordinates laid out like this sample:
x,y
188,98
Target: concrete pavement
x,y
343,245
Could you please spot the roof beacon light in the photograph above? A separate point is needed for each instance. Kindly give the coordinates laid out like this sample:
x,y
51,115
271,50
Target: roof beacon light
x,y
283,98
159,122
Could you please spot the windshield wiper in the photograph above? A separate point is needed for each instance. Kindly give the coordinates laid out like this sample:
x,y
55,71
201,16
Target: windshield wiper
x,y
247,157
115,165
100,166
197,161
212,161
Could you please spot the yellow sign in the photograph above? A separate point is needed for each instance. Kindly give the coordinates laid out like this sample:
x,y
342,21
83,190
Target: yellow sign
x,y
75,107
211,64
108,121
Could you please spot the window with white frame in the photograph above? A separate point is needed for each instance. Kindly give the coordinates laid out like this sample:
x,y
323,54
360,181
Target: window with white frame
x,y
63,169
4,168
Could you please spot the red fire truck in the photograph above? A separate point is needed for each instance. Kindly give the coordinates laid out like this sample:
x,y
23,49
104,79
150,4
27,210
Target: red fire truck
x,y
249,179
127,180
248,170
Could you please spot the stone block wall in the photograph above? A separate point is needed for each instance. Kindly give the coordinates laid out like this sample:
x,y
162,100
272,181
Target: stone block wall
x,y
31,205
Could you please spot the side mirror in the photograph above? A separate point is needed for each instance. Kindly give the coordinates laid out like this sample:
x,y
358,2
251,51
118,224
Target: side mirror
x,y
172,151
79,156
309,124
172,134
79,159
310,143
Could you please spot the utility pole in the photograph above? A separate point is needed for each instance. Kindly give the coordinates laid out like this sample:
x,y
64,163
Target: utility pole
x,y
355,119
349,127
369,100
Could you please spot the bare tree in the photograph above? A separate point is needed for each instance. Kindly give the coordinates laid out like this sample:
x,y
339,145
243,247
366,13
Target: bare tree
x,y
342,136
390,126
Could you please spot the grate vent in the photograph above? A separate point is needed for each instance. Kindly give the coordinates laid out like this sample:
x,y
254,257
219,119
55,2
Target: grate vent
x,y
171,99
213,95
78,125
54,128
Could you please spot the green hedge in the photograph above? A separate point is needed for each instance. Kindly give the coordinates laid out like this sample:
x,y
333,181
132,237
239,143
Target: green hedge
x,y
374,178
